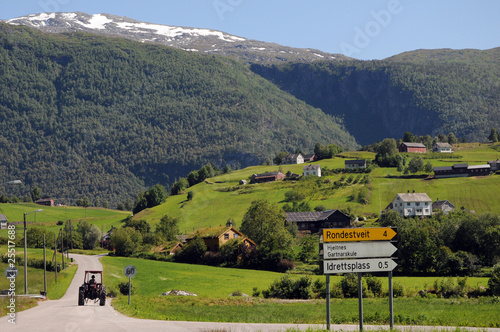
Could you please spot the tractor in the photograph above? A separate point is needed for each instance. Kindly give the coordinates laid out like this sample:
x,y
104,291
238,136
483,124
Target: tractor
x,y
92,288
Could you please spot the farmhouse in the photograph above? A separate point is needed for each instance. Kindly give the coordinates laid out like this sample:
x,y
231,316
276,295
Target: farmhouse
x,y
494,165
412,204
355,164
292,159
267,177
215,237
47,201
444,206
313,170
315,221
309,157
442,148
461,170
412,147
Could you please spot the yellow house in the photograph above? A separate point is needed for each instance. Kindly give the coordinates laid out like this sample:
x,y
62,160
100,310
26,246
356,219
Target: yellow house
x,y
215,237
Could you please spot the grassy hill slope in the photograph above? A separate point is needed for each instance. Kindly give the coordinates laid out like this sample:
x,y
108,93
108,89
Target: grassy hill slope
x,y
221,198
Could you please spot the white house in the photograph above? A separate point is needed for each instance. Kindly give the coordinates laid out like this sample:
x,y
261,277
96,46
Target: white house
x,y
293,159
412,204
442,147
314,170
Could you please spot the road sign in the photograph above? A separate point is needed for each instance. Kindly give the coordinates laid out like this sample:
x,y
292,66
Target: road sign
x,y
359,265
342,250
129,271
11,272
358,234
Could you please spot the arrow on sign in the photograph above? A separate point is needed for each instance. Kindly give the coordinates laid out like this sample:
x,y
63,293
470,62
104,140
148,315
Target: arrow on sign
x,y
341,250
359,265
358,234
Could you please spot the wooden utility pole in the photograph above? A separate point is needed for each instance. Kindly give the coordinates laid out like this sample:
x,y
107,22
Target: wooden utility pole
x,y
55,254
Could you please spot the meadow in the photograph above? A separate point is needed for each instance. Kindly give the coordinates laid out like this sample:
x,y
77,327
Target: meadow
x,y
51,215
214,302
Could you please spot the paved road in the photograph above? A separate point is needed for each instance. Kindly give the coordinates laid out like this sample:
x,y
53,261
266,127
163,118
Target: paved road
x,y
65,315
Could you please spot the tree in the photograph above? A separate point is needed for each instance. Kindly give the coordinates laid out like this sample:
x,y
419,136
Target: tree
x,y
388,147
264,223
308,249
36,194
192,252
493,136
428,168
126,241
190,195
91,238
179,186
452,139
156,195
416,165
408,137
494,281
140,225
168,228
278,157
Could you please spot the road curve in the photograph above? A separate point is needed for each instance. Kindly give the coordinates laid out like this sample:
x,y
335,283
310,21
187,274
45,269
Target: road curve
x,y
65,315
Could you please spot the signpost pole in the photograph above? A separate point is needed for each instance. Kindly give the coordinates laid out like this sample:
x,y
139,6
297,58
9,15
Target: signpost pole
x,y
360,298
44,268
129,288
391,306
328,311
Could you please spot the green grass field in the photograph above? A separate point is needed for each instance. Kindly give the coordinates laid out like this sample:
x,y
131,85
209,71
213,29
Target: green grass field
x,y
213,303
221,198
48,218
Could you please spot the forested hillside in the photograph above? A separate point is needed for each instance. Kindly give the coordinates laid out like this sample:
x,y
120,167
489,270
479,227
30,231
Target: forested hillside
x,y
84,115
424,92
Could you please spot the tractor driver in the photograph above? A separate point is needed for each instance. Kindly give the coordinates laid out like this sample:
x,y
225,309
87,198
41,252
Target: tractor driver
x,y
92,280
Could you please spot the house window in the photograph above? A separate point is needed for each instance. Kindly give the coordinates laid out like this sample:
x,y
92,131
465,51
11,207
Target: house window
x,y
226,236
235,235
418,204
407,204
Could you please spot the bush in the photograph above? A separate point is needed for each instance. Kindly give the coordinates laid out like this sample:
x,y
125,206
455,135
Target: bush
x,y
287,288
123,287
374,285
494,281
349,285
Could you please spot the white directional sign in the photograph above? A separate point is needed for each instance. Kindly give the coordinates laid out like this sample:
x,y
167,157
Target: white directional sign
x,y
341,250
358,265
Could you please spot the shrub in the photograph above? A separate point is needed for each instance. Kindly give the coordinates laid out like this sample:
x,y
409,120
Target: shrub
x,y
374,285
287,288
494,281
123,287
256,292
349,285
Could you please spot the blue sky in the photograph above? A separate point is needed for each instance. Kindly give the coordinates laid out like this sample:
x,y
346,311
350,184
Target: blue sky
x,y
363,29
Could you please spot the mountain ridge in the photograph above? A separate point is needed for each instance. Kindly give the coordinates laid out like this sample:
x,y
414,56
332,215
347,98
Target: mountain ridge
x,y
205,41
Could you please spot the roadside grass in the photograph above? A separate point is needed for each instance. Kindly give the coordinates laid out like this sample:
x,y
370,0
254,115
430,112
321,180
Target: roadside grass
x,y
35,276
407,311
214,285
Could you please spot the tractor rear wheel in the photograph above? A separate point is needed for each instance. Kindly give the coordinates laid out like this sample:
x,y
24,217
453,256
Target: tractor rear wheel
x,y
103,296
81,296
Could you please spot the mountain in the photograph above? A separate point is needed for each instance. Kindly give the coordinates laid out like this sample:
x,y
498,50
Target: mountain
x,y
88,115
425,92
203,41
